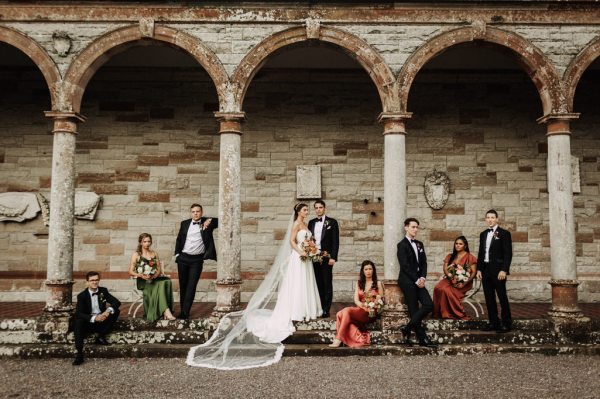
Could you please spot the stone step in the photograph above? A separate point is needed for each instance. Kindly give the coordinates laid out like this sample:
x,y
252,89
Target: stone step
x,y
435,324
440,336
37,351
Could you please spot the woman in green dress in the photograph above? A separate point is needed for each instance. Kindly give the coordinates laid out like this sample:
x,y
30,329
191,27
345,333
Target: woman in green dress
x,y
158,293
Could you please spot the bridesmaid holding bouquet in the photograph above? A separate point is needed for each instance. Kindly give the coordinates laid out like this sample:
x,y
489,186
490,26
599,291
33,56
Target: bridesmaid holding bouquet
x,y
145,265
351,322
460,267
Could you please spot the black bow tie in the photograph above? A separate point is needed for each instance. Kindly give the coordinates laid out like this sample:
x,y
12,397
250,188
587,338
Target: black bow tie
x,y
491,229
195,222
413,241
319,219
94,293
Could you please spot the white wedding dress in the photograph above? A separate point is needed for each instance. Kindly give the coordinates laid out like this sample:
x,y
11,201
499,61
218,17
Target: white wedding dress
x,y
297,300
252,337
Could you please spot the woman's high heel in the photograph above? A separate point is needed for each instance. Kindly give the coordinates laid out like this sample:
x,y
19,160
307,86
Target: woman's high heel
x,y
335,344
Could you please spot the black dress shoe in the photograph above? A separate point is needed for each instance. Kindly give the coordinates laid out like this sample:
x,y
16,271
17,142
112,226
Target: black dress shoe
x,y
503,329
406,333
102,341
78,359
182,316
490,327
427,342
325,315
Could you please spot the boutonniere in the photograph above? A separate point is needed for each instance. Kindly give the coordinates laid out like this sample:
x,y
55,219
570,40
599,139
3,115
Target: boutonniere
x,y
101,297
419,247
496,235
326,223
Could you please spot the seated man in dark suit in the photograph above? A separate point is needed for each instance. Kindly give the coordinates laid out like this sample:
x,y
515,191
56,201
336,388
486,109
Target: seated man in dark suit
x,y
96,311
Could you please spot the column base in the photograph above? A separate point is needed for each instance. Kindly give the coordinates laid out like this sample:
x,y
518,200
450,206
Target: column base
x,y
564,300
395,314
228,297
59,295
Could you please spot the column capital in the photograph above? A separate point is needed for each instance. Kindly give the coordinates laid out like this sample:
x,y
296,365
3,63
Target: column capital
x,y
65,122
77,117
564,117
231,122
393,122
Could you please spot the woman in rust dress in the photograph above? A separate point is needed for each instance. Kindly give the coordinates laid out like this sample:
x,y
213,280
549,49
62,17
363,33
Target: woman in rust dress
x,y
450,290
351,321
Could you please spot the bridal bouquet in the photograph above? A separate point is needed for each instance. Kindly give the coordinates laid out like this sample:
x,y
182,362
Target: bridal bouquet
x,y
313,253
459,273
373,302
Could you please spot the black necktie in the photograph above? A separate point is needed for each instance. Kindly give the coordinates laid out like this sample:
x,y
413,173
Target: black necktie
x,y
195,222
319,219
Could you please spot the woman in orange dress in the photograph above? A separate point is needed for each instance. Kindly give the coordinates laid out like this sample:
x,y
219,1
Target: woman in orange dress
x,y
450,291
351,322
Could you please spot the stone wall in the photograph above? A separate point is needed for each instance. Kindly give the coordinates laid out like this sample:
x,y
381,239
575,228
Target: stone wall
x,y
150,148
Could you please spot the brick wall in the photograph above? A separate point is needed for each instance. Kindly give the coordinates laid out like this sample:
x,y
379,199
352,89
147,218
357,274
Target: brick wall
x,y
150,148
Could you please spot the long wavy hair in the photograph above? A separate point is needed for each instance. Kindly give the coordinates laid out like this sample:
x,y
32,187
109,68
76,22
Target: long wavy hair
x,y
297,208
454,253
140,239
362,280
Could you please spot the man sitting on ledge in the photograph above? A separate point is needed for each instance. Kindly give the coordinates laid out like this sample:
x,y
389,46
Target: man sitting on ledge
x,y
96,311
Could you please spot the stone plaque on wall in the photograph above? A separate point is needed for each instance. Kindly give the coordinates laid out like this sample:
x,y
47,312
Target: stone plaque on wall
x,y
308,181
576,179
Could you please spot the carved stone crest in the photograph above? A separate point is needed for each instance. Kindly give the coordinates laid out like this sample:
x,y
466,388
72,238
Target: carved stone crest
x,y
308,181
437,188
61,42
86,205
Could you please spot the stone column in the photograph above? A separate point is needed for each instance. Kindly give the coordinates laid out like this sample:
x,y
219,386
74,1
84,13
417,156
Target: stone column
x,y
561,217
394,181
229,259
59,277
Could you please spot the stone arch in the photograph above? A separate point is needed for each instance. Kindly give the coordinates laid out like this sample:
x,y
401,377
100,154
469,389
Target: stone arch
x,y
576,69
538,67
354,46
38,55
102,49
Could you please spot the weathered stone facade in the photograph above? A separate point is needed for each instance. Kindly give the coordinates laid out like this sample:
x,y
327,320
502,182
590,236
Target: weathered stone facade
x,y
151,144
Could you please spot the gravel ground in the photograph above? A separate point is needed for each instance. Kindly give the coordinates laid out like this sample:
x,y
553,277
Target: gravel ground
x,y
478,376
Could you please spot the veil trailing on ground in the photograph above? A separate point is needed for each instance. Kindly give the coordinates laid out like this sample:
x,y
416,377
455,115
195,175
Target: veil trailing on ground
x,y
233,345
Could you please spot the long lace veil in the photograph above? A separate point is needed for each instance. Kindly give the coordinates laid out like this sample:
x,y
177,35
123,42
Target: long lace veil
x,y
233,345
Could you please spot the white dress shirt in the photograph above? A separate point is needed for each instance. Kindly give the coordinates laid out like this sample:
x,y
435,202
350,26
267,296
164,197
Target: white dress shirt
x,y
193,242
96,306
488,243
414,246
319,231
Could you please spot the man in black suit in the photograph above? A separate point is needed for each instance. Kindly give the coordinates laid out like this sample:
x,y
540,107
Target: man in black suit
x,y
411,279
194,244
326,232
493,265
96,311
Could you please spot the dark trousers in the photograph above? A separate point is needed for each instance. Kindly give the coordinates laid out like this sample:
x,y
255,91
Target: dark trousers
x,y
189,268
414,295
83,327
492,287
324,277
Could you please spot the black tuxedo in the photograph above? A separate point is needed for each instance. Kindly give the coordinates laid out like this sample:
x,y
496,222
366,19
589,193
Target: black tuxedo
x,y
189,267
500,256
411,269
330,242
83,315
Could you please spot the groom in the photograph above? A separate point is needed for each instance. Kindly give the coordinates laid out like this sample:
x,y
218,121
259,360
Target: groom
x,y
194,244
326,233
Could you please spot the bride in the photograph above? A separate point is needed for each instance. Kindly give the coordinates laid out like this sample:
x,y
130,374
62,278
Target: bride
x,y
252,337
